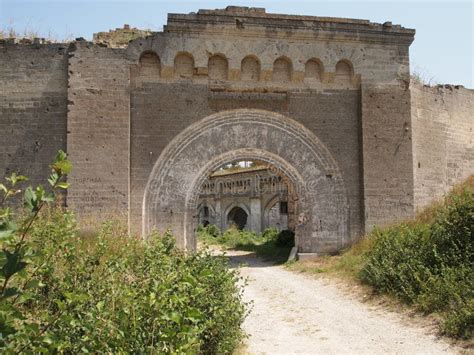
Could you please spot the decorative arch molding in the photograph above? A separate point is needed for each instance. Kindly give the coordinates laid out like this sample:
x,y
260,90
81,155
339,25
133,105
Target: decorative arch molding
x,y
208,205
231,205
172,190
271,203
266,210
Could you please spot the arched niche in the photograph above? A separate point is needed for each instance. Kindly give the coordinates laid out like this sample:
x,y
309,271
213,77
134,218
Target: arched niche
x,y
250,69
183,65
313,70
282,70
344,71
237,214
206,213
149,66
218,67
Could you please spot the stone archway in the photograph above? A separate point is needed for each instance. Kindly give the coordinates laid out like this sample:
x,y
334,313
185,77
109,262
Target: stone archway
x,y
205,214
229,208
237,216
271,205
172,191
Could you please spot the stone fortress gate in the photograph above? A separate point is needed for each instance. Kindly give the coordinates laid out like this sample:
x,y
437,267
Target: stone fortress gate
x,y
326,101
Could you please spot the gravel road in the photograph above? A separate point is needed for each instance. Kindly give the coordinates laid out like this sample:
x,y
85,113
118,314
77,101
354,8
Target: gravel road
x,y
296,314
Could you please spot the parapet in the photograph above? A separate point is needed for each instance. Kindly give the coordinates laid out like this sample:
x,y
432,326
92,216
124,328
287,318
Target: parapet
x,y
251,21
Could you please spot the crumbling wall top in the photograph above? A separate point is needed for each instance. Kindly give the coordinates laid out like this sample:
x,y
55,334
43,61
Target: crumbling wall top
x,y
262,13
120,37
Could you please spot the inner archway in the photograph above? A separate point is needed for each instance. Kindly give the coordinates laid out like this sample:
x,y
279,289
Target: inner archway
x,y
251,186
237,217
171,196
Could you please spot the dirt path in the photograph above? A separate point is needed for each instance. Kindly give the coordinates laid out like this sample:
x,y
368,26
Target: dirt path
x,y
295,314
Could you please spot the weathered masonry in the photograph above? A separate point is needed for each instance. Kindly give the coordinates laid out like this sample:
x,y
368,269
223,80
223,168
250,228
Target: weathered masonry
x,y
327,101
252,198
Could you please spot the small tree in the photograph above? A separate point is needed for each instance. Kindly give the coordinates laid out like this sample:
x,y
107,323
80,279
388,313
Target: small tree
x,y
16,255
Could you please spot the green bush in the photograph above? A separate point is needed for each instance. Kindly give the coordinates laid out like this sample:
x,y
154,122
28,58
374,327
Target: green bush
x,y
430,263
270,234
234,238
264,245
213,230
209,234
109,293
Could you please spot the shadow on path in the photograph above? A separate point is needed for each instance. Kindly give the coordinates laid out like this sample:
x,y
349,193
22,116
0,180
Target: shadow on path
x,y
238,258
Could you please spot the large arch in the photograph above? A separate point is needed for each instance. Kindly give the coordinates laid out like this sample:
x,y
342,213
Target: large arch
x,y
172,190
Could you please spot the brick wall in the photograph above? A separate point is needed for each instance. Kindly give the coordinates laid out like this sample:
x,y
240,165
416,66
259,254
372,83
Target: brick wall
x,y
443,139
98,131
387,154
334,117
33,108
158,113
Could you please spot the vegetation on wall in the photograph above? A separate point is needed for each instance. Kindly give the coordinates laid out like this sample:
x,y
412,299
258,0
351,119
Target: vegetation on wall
x,y
106,293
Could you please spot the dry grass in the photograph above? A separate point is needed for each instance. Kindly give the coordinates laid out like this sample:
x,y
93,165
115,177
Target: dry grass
x,y
30,34
345,265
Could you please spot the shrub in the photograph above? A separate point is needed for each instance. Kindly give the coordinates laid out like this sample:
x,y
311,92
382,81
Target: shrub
x,y
108,293
396,261
270,234
213,230
264,245
459,322
209,234
235,238
430,262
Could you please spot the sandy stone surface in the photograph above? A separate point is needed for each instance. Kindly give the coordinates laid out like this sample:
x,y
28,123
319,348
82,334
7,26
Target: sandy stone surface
x,y
295,314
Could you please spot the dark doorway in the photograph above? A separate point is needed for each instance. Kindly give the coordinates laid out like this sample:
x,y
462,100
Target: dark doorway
x,y
238,217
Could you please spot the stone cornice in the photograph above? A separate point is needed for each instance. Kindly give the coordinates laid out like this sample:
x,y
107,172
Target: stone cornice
x,y
250,22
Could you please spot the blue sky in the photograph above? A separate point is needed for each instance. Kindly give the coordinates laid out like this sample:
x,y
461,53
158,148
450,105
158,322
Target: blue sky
x,y
442,51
